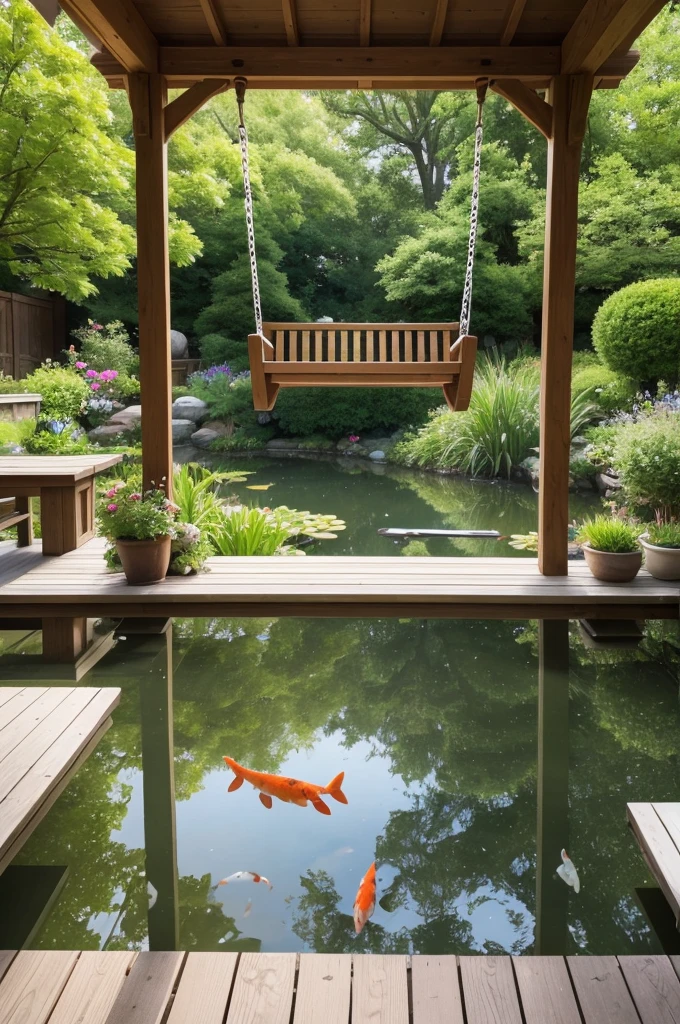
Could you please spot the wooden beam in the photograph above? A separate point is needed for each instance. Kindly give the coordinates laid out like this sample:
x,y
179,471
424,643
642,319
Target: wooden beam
x,y
437,30
215,23
121,29
511,21
365,23
290,22
148,96
601,28
528,102
557,336
192,99
446,68
579,104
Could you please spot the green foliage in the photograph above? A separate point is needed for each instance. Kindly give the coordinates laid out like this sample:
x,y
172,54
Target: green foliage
x,y
605,533
63,391
336,411
106,347
231,308
69,442
124,513
243,440
646,454
16,432
524,541
249,531
229,399
60,170
217,349
609,390
637,330
195,491
664,535
9,386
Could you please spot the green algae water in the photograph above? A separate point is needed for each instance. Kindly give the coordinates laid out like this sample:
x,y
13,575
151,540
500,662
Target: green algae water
x,y
435,725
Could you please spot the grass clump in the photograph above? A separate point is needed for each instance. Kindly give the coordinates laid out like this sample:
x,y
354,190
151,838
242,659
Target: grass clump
x,y
604,533
664,535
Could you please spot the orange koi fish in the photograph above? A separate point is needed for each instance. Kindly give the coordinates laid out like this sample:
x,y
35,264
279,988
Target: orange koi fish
x,y
364,904
290,791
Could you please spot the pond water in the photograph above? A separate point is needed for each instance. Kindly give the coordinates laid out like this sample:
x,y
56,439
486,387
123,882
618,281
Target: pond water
x,y
434,724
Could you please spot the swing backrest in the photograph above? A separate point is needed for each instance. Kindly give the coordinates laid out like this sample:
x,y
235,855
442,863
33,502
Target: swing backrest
x,y
361,343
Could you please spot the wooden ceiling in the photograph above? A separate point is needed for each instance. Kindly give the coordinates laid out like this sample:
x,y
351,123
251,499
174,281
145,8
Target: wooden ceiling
x,y
360,43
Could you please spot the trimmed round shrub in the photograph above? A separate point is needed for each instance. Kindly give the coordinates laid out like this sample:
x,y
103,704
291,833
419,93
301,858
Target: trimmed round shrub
x,y
331,412
609,390
63,391
647,457
636,331
216,349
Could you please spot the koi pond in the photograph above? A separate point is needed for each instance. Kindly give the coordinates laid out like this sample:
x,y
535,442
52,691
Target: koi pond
x,y
433,723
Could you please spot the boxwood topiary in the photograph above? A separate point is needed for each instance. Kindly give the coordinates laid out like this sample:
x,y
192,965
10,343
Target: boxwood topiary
x,y
611,391
636,331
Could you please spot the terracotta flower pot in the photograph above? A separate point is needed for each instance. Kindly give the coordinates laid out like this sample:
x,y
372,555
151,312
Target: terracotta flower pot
x,y
145,561
663,563
611,566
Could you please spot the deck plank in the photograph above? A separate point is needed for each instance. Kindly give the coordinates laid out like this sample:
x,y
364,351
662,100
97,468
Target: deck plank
x,y
203,992
263,990
30,989
659,850
489,990
436,995
6,958
545,990
25,734
8,693
146,991
323,989
18,700
379,990
654,986
601,990
93,987
670,817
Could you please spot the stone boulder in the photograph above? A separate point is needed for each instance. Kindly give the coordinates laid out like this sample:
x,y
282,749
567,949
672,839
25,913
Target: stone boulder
x,y
204,437
107,433
179,346
378,455
189,408
220,428
132,413
182,431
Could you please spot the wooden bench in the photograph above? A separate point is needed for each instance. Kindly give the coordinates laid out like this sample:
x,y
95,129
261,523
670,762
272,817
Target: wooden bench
x,y
46,732
65,486
17,512
657,830
292,355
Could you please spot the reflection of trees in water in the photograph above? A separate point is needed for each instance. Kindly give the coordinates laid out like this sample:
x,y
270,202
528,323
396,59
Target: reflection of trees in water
x,y
452,704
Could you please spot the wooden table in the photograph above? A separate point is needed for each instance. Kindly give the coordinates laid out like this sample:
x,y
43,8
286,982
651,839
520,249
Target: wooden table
x,y
65,486
46,732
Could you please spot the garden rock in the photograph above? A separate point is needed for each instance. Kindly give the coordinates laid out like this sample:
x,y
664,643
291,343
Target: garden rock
x,y
378,455
189,408
182,430
107,432
204,437
130,413
179,346
607,484
220,428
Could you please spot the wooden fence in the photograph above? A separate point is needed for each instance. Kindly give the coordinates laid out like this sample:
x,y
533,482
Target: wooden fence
x,y
31,330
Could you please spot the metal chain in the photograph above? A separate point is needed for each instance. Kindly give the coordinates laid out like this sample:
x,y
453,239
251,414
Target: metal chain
x,y
240,85
466,306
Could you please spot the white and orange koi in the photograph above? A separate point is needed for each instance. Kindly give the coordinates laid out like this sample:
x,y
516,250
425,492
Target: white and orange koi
x,y
364,904
246,876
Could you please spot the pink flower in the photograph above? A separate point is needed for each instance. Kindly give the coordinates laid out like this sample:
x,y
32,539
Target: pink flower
x,y
171,507
111,493
354,438
71,348
108,375
91,373
80,365
95,386
136,496
97,327
112,507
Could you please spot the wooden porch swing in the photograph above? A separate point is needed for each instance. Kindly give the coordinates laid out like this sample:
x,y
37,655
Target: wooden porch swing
x,y
295,355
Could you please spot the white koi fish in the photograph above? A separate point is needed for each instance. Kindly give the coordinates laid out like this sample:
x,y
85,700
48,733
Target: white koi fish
x,y
568,872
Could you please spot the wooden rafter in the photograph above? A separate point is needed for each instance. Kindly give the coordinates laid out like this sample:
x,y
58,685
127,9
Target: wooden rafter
x,y
437,30
184,106
290,21
511,21
215,23
120,27
365,23
600,29
528,102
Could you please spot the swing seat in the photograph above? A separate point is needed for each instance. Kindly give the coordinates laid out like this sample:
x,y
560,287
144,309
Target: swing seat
x,y
361,355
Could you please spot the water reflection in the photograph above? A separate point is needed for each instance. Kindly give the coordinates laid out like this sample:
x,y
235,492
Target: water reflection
x,y
434,724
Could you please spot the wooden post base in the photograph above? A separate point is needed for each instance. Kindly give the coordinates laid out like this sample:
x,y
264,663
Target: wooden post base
x,y
64,639
67,517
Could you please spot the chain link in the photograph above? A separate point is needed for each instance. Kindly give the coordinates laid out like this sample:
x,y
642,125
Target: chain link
x,y
250,225
466,307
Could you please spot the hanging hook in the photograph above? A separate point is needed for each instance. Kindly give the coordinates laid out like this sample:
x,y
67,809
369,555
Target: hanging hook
x,y
481,85
240,86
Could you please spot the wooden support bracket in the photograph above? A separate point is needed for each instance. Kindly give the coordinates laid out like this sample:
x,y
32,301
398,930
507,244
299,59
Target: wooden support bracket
x,y
529,103
581,91
190,101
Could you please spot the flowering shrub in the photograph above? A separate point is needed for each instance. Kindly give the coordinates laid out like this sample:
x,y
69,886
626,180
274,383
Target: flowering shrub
x,y
107,389
64,392
125,513
646,454
104,346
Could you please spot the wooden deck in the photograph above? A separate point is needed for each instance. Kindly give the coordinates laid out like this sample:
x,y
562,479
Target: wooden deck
x,y
78,584
46,733
286,988
657,830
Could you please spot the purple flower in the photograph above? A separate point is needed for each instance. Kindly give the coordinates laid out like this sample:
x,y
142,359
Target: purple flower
x,y
91,373
80,365
111,493
354,438
136,496
112,507
95,386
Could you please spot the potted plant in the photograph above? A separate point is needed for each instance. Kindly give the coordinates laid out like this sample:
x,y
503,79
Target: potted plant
x,y
661,545
142,527
610,547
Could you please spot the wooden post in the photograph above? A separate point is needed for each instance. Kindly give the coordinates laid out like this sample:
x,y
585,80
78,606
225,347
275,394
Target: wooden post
x,y
148,98
569,96
160,839
65,639
552,789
